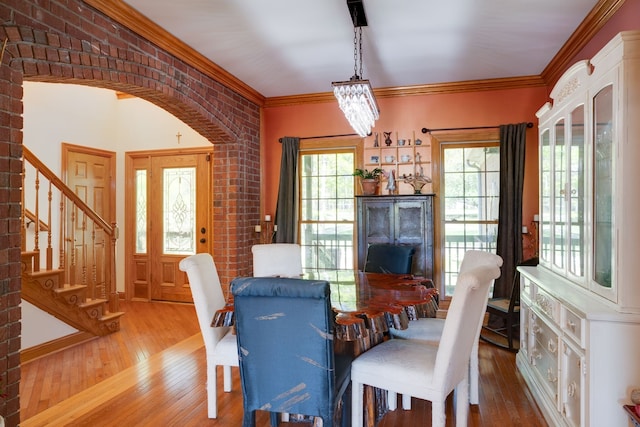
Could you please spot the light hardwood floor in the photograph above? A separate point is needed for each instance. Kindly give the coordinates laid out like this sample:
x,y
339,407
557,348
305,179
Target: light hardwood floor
x,y
152,373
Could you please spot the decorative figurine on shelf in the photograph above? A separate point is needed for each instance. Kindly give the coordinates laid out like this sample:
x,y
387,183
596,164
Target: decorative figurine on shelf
x,y
375,139
391,181
387,138
418,165
416,181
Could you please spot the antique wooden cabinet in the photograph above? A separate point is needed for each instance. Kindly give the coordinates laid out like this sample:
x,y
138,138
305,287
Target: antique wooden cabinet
x,y
398,219
580,308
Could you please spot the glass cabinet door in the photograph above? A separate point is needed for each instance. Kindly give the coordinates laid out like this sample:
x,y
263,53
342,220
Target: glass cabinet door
x,y
603,239
560,197
576,194
545,198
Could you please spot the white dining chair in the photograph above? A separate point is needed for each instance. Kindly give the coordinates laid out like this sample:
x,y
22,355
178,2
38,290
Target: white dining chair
x,y
430,330
426,370
277,259
220,344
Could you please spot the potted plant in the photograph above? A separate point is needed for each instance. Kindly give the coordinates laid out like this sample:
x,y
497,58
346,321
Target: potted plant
x,y
369,180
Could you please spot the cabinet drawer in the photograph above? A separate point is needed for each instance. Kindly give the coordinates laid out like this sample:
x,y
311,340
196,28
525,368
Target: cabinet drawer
x,y
544,355
546,366
546,338
547,305
572,325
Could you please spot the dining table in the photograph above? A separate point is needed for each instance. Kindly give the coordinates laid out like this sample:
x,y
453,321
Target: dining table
x,y
365,306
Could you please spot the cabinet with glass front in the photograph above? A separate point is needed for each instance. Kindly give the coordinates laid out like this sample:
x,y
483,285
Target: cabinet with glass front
x,y
582,303
588,162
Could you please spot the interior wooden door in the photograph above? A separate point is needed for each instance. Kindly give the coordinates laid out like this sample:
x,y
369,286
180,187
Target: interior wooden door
x,y
178,212
90,173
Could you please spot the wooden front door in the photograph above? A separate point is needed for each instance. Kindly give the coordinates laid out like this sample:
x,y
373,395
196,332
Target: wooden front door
x,y
90,173
170,200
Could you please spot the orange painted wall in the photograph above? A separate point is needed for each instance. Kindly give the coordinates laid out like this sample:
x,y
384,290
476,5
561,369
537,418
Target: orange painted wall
x,y
487,108
405,114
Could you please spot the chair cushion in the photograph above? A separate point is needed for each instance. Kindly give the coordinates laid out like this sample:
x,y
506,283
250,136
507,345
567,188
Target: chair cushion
x,y
226,351
429,330
501,304
402,366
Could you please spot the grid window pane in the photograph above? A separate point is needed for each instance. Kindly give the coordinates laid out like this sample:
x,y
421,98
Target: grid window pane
x,y
471,183
327,211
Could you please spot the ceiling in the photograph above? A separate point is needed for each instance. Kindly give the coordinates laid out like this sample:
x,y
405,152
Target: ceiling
x,y
295,47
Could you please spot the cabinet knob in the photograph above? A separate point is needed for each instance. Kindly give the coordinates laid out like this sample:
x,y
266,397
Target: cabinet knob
x,y
571,389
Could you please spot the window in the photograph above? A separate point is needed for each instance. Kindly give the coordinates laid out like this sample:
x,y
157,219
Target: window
x,y
327,211
470,180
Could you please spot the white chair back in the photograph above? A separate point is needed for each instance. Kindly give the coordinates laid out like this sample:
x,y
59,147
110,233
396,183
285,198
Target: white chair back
x,y
468,302
277,259
207,295
473,258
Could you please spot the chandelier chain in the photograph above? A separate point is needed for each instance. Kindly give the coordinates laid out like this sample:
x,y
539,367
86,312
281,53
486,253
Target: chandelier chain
x,y
355,51
360,50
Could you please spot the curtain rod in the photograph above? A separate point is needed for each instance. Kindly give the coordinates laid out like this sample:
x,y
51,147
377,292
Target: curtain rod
x,y
324,136
426,130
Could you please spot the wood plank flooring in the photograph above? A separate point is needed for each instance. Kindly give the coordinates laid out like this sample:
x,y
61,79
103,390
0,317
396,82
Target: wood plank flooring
x,y
153,373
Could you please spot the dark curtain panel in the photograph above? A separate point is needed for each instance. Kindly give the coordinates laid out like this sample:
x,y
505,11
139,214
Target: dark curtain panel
x,y
509,247
286,217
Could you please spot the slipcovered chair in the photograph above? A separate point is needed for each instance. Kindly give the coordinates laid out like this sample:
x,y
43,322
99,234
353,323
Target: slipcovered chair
x,y
389,258
431,329
220,344
427,370
277,259
284,328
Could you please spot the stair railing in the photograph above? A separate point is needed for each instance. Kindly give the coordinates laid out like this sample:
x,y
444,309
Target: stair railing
x,y
86,242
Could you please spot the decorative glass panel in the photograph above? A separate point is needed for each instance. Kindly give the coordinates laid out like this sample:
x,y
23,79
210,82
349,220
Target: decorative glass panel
x,y
576,183
545,197
603,187
179,211
560,197
141,211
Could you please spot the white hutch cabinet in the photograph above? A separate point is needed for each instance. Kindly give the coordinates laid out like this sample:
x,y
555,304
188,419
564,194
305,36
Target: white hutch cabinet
x,y
580,308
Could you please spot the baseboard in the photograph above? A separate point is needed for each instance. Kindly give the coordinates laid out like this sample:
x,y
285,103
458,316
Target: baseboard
x,y
52,346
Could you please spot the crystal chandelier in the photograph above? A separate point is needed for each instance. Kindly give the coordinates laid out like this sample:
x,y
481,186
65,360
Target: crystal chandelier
x,y
355,97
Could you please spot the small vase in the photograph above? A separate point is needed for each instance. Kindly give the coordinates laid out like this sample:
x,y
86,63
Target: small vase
x,y
369,186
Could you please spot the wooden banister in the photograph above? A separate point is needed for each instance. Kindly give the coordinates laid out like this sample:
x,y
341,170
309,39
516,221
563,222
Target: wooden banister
x,y
75,263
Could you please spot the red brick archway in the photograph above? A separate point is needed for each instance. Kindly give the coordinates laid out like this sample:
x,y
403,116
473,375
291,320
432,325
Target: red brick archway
x,y
69,42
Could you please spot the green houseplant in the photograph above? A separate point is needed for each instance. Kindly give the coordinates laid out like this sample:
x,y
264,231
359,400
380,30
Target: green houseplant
x,y
369,180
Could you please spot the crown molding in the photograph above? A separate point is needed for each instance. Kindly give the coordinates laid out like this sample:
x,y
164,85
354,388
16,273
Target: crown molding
x,y
143,26
140,24
426,89
592,23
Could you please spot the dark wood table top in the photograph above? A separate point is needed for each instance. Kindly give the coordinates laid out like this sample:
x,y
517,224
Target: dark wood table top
x,y
367,302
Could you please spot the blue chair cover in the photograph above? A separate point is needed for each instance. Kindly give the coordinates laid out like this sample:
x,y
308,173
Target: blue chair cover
x,y
389,258
284,330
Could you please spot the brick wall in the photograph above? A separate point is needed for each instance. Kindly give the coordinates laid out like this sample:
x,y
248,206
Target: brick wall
x,y
67,41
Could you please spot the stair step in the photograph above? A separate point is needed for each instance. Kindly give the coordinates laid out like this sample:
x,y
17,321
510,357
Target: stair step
x,y
113,315
27,258
93,303
45,273
69,289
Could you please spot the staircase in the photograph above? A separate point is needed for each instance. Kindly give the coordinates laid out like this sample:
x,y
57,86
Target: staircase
x,y
81,290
